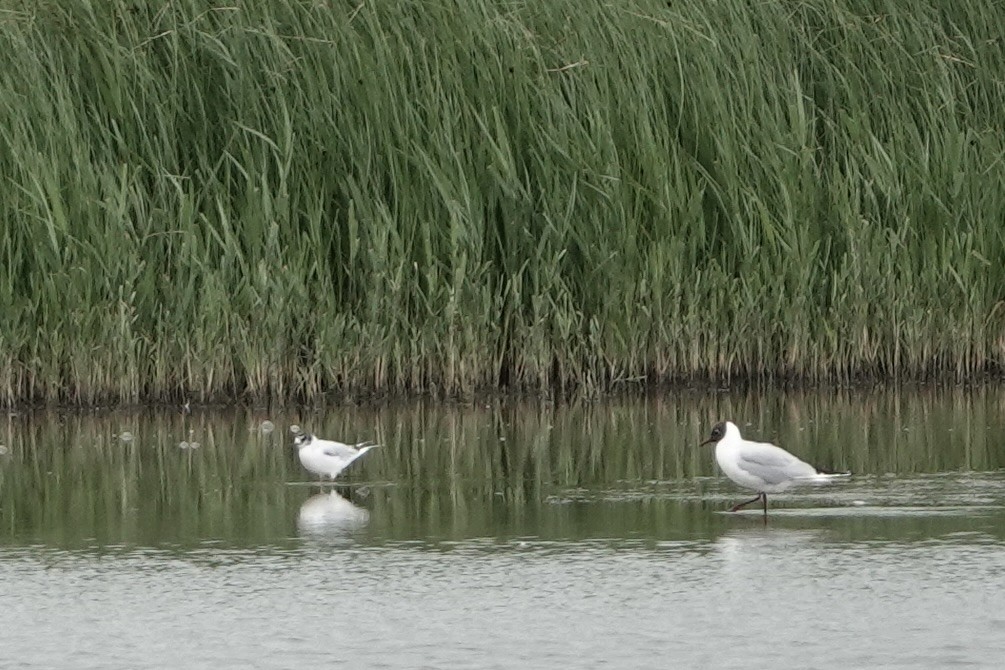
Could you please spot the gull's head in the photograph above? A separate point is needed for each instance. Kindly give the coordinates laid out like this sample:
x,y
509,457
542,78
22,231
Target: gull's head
x,y
720,430
302,440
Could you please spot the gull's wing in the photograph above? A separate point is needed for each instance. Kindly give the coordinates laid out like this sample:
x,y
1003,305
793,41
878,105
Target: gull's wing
x,y
338,450
772,464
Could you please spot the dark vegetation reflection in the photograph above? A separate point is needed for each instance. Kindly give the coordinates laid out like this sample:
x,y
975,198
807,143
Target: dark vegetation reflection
x,y
620,469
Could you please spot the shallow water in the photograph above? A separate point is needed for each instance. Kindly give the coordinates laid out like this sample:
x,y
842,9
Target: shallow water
x,y
506,536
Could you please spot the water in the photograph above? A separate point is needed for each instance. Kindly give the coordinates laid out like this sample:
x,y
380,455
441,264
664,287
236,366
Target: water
x,y
506,536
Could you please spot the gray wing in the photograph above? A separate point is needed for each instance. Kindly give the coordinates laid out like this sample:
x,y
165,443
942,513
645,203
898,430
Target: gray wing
x,y
773,464
339,450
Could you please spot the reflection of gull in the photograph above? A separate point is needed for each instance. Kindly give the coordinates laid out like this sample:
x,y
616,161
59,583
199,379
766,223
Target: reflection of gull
x,y
760,466
328,458
330,512
739,547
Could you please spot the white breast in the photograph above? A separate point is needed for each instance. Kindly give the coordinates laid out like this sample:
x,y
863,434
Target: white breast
x,y
319,463
726,454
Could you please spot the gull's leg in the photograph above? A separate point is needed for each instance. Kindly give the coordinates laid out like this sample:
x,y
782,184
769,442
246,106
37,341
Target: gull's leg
x,y
764,497
739,506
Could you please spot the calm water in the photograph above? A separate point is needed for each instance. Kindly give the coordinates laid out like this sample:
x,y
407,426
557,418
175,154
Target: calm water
x,y
506,536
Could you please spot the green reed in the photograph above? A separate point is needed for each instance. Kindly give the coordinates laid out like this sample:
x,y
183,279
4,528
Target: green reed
x,y
296,199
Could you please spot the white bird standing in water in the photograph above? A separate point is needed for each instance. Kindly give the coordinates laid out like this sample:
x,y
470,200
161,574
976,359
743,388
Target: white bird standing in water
x,y
760,466
327,458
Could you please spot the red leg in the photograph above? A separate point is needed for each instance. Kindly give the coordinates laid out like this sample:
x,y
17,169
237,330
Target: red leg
x,y
740,506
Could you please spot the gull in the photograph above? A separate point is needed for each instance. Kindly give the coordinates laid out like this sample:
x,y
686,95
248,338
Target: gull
x,y
760,466
328,457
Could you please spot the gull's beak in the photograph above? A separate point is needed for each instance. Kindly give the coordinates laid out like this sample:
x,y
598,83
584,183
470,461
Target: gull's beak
x,y
708,441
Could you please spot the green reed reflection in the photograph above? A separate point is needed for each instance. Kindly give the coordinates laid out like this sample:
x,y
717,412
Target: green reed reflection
x,y
497,469
70,478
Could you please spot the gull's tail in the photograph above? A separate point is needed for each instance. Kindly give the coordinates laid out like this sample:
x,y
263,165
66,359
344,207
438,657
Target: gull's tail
x,y
365,447
823,476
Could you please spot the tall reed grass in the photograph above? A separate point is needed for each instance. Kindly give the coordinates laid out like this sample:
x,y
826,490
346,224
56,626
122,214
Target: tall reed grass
x,y
292,198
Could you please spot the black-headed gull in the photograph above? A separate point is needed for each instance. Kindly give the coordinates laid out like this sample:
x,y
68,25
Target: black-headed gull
x,y
327,458
761,466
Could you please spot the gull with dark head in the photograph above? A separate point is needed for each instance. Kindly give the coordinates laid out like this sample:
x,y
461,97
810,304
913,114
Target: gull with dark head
x,y
761,466
328,458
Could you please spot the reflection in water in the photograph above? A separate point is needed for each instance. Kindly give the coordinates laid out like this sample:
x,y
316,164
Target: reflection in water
x,y
330,513
505,470
742,541
537,523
